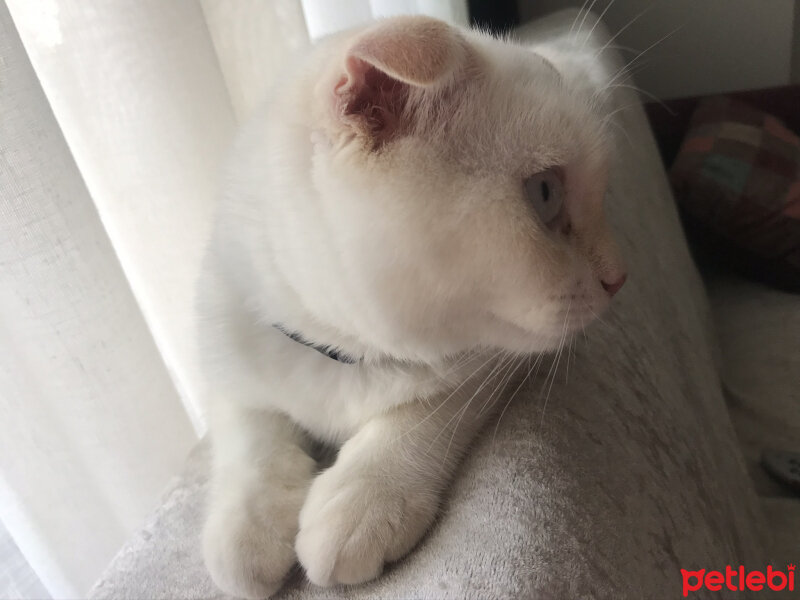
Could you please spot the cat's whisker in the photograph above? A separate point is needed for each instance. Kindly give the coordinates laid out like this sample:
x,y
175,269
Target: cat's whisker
x,y
508,402
536,365
547,396
500,363
513,366
507,376
554,369
554,366
597,317
462,361
624,75
610,115
501,369
583,20
583,330
457,415
555,356
622,48
508,364
569,351
461,412
599,19
569,355
645,93
577,16
449,396
645,51
624,132
623,28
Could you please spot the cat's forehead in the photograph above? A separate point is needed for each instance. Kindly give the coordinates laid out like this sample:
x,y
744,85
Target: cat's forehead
x,y
518,123
505,59
525,66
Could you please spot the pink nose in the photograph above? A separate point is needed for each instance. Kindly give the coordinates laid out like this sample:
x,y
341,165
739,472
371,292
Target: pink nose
x,y
613,287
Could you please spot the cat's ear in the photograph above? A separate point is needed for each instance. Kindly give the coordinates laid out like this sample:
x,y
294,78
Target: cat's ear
x,y
386,64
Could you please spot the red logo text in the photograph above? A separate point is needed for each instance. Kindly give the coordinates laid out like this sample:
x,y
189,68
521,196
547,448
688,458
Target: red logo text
x,y
738,580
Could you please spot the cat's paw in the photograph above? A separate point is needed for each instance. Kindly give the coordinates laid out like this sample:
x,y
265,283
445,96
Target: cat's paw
x,y
252,522
248,555
353,523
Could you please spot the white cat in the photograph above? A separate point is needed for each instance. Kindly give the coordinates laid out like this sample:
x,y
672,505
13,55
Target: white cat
x,y
417,198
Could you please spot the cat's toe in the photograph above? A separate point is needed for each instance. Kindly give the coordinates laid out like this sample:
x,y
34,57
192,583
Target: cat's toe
x,y
247,571
339,552
243,581
247,558
349,529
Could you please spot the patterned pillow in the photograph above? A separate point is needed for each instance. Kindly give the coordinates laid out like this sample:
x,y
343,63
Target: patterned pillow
x,y
737,180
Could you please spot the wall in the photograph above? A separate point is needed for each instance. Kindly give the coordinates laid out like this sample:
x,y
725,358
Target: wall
x,y
719,45
796,47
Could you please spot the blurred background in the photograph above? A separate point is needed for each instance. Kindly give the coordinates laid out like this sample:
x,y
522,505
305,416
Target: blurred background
x,y
701,46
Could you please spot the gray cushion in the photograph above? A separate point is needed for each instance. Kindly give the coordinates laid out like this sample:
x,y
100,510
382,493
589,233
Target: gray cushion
x,y
759,334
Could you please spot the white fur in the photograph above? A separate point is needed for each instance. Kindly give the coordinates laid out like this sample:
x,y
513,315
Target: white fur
x,y
422,258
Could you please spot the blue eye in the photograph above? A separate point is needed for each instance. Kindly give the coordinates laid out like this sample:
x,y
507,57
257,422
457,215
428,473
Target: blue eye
x,y
545,192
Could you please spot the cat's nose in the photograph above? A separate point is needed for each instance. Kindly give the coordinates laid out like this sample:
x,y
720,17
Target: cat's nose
x,y
613,287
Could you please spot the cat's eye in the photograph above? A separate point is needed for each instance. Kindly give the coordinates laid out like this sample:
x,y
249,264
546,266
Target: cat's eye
x,y
545,192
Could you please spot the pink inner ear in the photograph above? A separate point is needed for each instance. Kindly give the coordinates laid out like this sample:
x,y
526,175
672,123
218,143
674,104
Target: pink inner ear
x,y
371,99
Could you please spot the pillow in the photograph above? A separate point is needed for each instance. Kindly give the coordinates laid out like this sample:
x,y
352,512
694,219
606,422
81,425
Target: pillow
x,y
737,180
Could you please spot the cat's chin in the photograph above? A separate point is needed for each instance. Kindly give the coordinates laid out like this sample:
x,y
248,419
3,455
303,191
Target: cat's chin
x,y
519,338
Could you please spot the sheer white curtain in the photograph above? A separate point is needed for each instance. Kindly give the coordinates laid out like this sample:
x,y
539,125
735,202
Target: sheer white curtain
x,y
113,117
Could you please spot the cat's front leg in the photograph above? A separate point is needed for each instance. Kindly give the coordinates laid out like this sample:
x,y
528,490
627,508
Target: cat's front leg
x,y
384,490
260,480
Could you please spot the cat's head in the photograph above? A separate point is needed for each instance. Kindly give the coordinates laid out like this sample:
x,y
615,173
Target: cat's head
x,y
465,178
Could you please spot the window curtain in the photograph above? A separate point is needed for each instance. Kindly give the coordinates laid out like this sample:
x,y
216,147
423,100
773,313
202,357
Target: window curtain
x,y
114,115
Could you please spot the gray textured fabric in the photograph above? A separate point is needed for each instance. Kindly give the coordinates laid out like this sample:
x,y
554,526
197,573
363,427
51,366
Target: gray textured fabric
x,y
631,473
759,334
